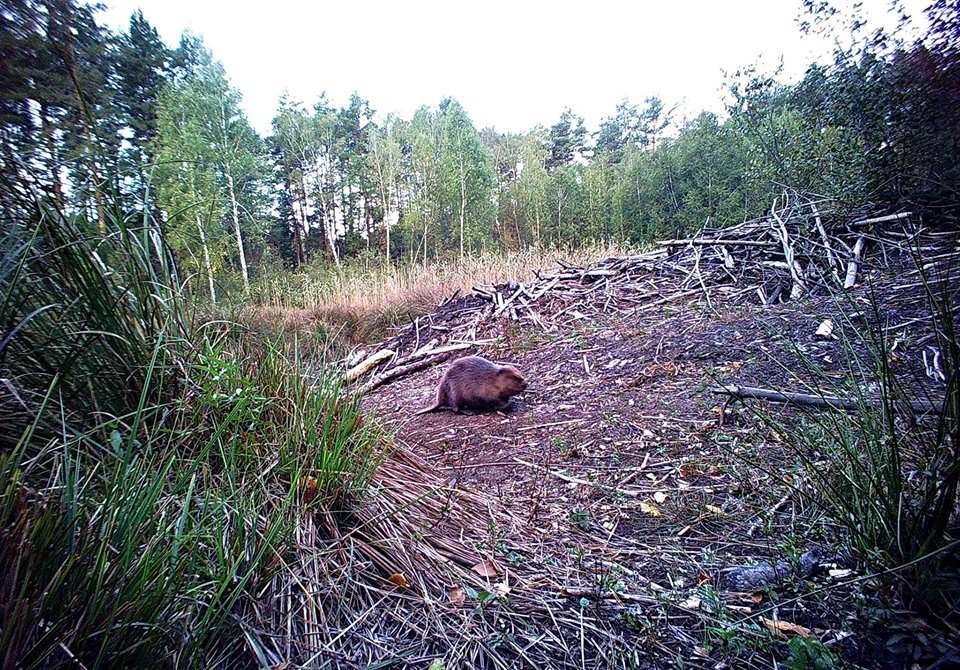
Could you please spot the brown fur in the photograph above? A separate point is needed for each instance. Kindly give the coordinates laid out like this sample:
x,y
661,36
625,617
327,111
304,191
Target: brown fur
x,y
474,383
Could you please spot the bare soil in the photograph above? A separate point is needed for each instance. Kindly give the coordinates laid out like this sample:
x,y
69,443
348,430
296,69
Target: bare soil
x,y
640,487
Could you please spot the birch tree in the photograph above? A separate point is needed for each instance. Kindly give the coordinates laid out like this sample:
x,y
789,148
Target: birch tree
x,y
205,125
384,156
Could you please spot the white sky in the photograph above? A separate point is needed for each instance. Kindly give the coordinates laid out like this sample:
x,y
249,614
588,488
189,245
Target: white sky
x,y
511,64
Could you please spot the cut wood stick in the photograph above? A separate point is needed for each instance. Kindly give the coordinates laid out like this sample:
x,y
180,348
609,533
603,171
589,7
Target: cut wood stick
x,y
807,400
402,370
710,242
832,262
506,303
636,472
550,425
368,364
582,482
798,288
769,513
854,265
596,593
430,351
669,298
539,293
882,219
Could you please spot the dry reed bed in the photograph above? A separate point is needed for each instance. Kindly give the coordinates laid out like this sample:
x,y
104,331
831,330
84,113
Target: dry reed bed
x,y
359,302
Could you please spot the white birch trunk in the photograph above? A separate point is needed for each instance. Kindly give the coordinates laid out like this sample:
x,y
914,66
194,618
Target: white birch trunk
x,y
236,230
463,201
206,260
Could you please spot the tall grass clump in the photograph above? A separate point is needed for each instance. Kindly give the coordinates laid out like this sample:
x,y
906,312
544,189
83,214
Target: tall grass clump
x,y
83,311
154,469
888,476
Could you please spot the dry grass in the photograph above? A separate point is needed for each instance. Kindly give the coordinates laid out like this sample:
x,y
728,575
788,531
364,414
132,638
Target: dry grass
x,y
359,302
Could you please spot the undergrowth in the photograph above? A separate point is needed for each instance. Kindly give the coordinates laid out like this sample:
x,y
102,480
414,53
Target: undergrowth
x,y
153,469
886,473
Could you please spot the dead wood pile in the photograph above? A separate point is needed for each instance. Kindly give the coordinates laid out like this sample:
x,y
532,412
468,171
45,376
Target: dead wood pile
x,y
794,251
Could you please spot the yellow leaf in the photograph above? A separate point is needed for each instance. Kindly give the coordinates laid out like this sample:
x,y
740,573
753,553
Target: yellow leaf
x,y
398,579
437,664
650,508
716,510
309,490
782,628
486,568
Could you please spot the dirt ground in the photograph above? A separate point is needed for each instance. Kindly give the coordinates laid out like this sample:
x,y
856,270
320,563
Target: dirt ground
x,y
627,471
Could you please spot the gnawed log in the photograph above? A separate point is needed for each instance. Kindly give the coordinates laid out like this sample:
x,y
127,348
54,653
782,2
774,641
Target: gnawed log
x,y
399,371
418,360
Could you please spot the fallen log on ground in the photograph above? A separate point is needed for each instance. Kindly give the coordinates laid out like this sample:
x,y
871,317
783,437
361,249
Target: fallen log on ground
x,y
807,400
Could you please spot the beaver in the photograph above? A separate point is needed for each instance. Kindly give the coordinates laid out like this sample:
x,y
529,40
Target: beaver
x,y
474,383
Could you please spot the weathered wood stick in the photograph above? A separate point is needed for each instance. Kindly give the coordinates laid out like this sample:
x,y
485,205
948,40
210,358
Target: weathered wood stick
x,y
364,366
709,242
826,241
426,351
506,303
399,371
770,512
883,219
798,288
854,265
804,399
543,291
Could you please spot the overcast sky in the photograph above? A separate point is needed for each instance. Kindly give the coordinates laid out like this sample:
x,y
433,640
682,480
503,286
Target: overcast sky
x,y
511,64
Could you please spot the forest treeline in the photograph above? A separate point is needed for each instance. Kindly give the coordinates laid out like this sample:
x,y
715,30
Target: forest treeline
x,y
86,112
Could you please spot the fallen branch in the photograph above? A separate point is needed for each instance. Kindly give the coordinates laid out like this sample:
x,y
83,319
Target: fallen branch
x,y
769,513
883,219
433,352
583,482
711,242
507,302
368,364
806,400
402,370
854,265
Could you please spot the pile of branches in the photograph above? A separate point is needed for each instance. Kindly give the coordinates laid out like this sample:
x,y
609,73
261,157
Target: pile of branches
x,y
793,252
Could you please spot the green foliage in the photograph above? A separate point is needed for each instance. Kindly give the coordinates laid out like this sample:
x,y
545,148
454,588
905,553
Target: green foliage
x,y
92,319
567,140
809,653
890,483
211,169
152,476
877,125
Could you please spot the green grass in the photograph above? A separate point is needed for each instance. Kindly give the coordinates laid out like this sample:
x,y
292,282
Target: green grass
x,y
155,469
887,477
